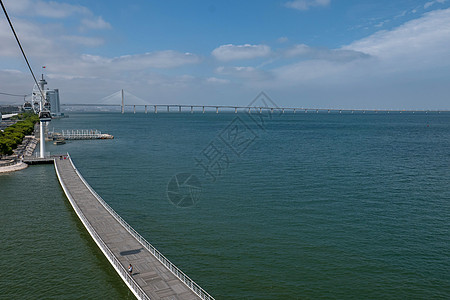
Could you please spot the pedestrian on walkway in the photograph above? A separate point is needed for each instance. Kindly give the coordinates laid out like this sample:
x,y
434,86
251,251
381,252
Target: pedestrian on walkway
x,y
130,269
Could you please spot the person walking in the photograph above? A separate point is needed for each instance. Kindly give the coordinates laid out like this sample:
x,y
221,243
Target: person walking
x,y
130,269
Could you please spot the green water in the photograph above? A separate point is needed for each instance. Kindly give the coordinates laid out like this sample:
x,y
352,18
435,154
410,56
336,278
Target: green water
x,y
45,251
317,206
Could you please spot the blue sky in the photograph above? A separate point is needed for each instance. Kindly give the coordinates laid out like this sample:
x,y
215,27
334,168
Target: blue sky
x,y
303,53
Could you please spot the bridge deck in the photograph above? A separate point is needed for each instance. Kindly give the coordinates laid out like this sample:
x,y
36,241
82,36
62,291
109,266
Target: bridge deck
x,y
149,273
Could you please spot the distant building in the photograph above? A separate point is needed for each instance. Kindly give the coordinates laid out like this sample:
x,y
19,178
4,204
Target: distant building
x,y
10,109
51,102
52,97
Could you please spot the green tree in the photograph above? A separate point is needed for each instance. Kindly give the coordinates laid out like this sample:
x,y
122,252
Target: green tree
x,y
14,134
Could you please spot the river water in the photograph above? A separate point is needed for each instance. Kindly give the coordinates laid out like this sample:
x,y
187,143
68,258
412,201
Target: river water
x,y
292,206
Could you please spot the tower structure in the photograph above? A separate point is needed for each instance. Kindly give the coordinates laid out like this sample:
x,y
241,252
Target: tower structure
x,y
44,115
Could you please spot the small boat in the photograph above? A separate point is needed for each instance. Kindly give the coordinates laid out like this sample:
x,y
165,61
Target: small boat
x,y
59,142
105,136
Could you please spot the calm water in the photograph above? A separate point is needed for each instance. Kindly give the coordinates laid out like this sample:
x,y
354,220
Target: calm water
x,y
305,206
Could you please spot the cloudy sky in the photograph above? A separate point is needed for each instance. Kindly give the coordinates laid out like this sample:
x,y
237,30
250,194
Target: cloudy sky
x,y
303,53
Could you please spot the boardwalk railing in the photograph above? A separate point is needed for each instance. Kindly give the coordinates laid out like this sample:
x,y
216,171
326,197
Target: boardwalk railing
x,y
120,269
199,291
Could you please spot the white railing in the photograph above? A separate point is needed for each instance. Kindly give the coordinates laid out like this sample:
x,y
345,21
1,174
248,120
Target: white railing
x,y
38,154
120,269
199,291
83,134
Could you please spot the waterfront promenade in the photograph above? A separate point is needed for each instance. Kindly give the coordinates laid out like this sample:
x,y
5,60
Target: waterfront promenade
x,y
154,277
14,163
12,166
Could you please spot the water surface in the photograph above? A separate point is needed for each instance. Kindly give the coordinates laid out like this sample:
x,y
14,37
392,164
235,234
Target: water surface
x,y
317,205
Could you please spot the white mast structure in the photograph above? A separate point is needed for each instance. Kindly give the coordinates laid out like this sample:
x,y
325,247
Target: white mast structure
x,y
44,117
123,103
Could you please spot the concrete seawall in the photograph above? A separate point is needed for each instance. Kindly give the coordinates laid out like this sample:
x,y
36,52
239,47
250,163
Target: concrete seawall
x,y
12,168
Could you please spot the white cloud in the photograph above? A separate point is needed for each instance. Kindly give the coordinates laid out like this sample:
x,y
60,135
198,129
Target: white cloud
x,y
237,52
388,68
431,3
171,82
306,4
13,82
311,72
95,23
418,45
55,45
12,71
428,4
159,59
59,76
217,80
381,23
298,50
42,42
49,9
307,52
407,64
82,40
88,65
33,37
50,39
421,41
249,73
57,10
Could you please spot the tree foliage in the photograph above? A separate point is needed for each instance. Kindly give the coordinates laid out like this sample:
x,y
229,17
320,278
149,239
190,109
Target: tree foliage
x,y
14,134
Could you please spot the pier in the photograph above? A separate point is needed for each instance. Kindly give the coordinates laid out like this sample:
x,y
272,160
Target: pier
x,y
36,160
154,276
85,134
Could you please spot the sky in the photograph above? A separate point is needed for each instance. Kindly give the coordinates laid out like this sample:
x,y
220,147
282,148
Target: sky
x,y
352,54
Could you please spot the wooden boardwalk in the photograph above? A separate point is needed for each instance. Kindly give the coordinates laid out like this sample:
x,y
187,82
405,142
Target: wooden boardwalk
x,y
150,274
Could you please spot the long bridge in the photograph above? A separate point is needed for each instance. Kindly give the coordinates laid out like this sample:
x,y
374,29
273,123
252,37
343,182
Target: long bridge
x,y
154,276
117,100
265,104
248,109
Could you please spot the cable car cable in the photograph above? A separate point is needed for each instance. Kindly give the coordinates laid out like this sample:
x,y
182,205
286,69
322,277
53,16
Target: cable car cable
x,y
21,49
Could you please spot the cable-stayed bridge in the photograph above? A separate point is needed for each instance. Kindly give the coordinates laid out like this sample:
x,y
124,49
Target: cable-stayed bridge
x,y
124,99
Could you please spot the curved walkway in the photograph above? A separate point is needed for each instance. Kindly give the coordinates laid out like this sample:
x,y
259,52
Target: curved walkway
x,y
115,240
